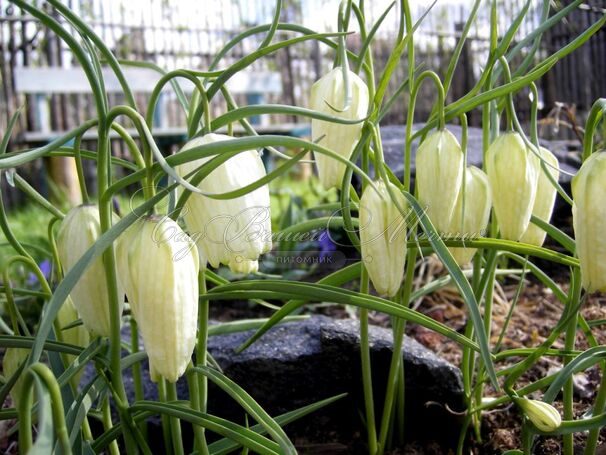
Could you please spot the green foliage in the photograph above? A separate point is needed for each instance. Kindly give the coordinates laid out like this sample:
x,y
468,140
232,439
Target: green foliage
x,y
298,205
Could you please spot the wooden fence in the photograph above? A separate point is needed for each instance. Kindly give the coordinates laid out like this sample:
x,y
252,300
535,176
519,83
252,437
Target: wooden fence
x,y
188,33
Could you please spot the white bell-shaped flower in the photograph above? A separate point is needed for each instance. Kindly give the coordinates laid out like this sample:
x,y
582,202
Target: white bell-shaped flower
x,y
158,264
230,231
589,220
78,231
383,237
328,95
439,173
513,174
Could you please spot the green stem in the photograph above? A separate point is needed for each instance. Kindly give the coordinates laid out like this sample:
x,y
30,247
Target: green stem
x,y
86,431
11,306
598,408
274,26
168,447
133,149
175,423
80,170
593,120
468,358
42,373
197,109
511,308
489,274
371,425
194,402
108,425
401,388
509,107
201,349
137,380
397,352
37,197
569,342
410,119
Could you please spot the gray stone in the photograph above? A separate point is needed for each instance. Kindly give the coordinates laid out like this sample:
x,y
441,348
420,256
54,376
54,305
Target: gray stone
x,y
299,363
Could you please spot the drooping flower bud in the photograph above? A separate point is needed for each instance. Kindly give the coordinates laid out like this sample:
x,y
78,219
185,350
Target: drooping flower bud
x,y
545,198
159,265
78,231
469,220
13,359
78,336
439,174
544,416
327,95
234,230
589,221
383,237
512,173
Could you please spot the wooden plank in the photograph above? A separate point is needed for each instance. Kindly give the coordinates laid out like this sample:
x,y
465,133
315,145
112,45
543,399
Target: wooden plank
x,y
53,80
177,134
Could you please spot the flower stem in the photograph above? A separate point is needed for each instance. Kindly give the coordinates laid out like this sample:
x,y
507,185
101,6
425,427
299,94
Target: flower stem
x,y
366,370
598,408
569,342
134,345
108,425
175,423
201,347
396,357
80,170
168,447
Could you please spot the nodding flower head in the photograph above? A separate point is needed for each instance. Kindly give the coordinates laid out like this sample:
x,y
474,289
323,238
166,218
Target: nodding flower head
x,y
439,173
513,174
158,264
230,229
383,237
589,221
471,212
78,231
328,96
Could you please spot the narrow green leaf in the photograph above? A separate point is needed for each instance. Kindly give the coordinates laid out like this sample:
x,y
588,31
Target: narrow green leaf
x,y
242,435
263,109
44,440
250,406
226,446
9,131
580,363
251,58
462,284
317,292
244,325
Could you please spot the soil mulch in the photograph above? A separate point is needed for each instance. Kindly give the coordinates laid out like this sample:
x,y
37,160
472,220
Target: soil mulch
x,y
536,313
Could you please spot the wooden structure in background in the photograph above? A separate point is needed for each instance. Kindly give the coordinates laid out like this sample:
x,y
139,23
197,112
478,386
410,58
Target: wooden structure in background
x,y
163,38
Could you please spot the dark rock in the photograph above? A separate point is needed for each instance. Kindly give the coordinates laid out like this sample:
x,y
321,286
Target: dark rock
x,y
299,363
